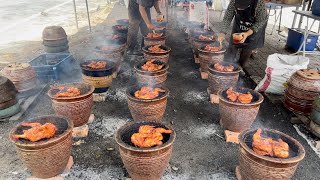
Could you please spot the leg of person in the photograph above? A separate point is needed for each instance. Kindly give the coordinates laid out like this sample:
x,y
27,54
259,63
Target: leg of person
x,y
143,27
244,56
134,22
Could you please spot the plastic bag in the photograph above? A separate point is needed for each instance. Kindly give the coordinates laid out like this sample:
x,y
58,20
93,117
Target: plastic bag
x,y
279,69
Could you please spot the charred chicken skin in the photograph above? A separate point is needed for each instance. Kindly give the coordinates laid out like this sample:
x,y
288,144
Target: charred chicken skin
x,y
148,92
151,66
154,35
97,65
156,49
220,67
67,92
268,146
205,38
239,97
37,131
212,48
149,136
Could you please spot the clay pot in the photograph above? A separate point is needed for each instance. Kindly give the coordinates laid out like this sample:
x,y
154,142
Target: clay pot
x,y
77,109
7,90
255,166
100,79
155,41
55,43
219,80
235,116
144,163
53,33
151,77
198,43
147,109
11,108
163,56
114,54
208,57
22,75
120,29
48,157
303,89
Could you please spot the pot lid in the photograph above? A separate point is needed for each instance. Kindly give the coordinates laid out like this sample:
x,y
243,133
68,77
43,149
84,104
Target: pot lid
x,y
313,74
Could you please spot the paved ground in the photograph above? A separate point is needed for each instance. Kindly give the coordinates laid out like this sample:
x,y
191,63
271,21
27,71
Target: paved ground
x,y
199,151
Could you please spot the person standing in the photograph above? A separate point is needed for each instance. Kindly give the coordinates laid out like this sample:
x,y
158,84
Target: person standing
x,y
140,17
250,20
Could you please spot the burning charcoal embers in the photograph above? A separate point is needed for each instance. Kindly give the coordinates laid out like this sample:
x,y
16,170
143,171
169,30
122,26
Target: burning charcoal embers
x,y
154,35
147,162
97,65
268,146
227,68
156,49
268,154
148,92
238,108
243,98
147,103
37,131
152,66
149,136
44,144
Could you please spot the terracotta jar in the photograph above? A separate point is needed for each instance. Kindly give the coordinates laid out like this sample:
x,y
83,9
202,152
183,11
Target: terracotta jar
x,y
151,77
147,109
254,166
8,92
208,57
78,108
303,88
199,43
48,157
112,53
22,75
144,163
220,80
54,33
155,41
235,116
161,56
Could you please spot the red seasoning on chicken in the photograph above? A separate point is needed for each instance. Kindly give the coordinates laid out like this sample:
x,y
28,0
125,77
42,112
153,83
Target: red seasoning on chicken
x,y
220,67
154,35
268,146
205,38
97,65
67,92
156,49
148,93
37,131
239,97
149,136
212,48
151,66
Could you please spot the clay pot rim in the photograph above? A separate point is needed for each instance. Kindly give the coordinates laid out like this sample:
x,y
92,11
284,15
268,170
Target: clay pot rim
x,y
295,159
34,146
91,89
168,49
129,96
164,68
163,37
167,144
258,102
110,65
210,66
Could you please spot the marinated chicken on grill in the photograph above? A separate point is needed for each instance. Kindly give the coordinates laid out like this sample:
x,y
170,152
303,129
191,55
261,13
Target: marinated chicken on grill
x,y
97,65
67,92
151,66
220,67
268,146
239,97
205,38
213,48
154,35
148,93
149,136
156,49
37,131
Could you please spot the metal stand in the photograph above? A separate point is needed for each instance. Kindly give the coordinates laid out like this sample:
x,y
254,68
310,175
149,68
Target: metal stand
x,y
76,17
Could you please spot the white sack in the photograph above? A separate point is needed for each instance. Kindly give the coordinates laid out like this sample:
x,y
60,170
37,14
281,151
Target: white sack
x,y
279,69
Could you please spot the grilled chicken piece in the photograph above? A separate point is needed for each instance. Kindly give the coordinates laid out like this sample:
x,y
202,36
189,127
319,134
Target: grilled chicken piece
x,y
37,131
148,93
156,49
232,95
268,146
150,66
220,67
245,98
212,48
70,92
148,136
154,35
205,38
97,64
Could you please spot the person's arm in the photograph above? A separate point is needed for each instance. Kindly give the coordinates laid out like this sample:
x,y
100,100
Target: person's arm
x,y
157,7
145,17
228,17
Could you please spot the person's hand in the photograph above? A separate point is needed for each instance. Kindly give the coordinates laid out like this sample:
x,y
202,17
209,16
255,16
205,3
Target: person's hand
x,y
245,35
221,37
151,26
160,18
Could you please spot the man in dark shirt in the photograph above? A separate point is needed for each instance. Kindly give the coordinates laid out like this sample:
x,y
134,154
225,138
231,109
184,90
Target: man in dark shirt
x,y
140,17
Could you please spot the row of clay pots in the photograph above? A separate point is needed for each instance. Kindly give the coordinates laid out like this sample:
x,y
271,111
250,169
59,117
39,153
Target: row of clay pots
x,y
9,105
55,39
